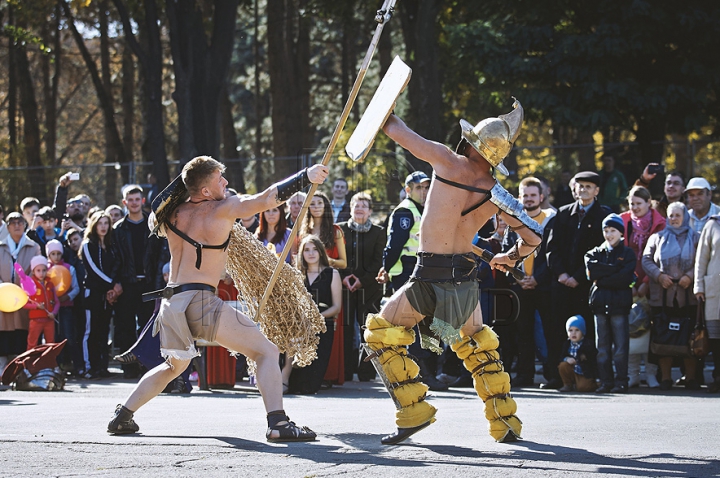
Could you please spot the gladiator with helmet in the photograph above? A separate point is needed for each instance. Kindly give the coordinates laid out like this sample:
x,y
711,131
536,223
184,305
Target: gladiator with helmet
x,y
442,295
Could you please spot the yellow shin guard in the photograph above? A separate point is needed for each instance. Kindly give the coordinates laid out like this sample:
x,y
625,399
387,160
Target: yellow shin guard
x,y
398,371
492,383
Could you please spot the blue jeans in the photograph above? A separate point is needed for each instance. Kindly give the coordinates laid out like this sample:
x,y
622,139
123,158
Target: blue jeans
x,y
612,331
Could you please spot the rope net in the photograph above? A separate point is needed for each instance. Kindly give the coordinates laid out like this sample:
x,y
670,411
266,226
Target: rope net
x,y
291,320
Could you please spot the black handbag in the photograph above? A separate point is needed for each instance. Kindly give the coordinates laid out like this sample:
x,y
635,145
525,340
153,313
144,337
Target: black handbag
x,y
671,329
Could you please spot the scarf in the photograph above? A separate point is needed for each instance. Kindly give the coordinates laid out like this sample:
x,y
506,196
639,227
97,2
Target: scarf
x,y
354,226
676,253
641,229
16,248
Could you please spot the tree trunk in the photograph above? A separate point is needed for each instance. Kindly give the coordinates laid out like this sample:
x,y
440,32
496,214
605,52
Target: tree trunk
x,y
151,68
51,81
419,21
31,129
12,89
111,154
257,149
229,143
200,67
128,107
105,101
289,66
650,137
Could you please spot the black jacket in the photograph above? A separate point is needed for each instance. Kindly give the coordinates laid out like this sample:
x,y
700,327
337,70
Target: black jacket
x,y
586,357
612,273
567,244
364,252
123,240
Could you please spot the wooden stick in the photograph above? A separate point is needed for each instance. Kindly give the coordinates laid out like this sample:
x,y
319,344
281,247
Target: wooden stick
x,y
382,17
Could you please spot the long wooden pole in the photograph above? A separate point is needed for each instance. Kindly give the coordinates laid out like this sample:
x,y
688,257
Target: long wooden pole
x,y
382,17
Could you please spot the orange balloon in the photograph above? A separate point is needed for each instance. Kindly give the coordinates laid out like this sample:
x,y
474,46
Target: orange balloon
x,y
61,278
12,297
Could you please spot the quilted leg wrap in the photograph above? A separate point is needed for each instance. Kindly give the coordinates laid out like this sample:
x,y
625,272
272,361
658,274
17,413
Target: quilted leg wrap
x,y
387,346
492,384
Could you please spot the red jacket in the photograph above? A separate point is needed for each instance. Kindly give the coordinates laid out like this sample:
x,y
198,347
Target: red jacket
x,y
45,294
658,224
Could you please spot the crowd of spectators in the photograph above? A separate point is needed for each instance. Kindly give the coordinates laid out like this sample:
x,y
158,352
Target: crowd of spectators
x,y
607,248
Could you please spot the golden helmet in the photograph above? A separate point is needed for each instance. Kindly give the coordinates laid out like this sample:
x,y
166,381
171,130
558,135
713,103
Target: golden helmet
x,y
493,138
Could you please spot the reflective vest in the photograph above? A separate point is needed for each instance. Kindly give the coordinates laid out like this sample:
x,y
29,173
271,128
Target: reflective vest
x,y
413,243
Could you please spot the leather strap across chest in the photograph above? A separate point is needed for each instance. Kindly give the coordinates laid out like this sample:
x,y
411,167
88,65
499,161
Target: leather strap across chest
x,y
198,245
467,188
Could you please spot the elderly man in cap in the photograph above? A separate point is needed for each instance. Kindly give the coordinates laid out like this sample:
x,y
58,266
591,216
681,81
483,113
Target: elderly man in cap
x,y
701,208
576,230
442,294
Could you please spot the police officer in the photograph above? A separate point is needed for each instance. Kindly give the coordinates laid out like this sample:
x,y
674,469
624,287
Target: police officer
x,y
399,258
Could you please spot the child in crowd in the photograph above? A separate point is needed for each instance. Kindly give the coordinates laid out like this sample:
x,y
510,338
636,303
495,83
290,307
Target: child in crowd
x,y
43,304
47,230
66,318
578,368
611,269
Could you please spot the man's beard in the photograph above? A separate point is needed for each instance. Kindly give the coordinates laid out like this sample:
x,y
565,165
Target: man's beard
x,y
532,208
78,217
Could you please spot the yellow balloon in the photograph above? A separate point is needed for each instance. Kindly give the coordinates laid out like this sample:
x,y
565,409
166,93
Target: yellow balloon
x,y
12,297
62,279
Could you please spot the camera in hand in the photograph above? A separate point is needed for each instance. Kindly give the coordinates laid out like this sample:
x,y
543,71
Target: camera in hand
x,y
656,169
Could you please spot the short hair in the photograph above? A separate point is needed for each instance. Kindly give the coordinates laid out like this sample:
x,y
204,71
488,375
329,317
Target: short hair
x,y
675,172
361,196
72,231
531,181
47,213
131,189
296,194
640,192
28,202
676,205
111,207
341,179
197,170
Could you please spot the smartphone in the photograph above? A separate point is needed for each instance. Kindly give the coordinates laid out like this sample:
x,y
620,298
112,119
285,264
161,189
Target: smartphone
x,y
74,176
656,169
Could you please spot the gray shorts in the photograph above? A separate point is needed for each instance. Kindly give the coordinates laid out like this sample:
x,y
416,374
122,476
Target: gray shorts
x,y
187,316
448,304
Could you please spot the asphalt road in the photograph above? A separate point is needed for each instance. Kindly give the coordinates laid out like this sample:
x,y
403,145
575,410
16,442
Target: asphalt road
x,y
221,433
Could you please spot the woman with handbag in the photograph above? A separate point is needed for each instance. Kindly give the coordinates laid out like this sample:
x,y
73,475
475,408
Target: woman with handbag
x,y
669,261
641,221
707,289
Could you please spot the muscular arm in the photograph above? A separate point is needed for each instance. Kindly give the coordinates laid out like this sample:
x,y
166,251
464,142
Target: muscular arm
x,y
244,205
429,151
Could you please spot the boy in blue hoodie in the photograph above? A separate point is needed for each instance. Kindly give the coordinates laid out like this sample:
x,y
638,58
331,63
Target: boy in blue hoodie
x,y
611,269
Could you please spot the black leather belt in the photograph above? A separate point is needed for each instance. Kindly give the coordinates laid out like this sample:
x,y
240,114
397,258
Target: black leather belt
x,y
431,267
168,292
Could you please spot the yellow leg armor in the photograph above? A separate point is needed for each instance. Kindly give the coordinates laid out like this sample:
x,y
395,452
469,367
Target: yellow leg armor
x,y
492,383
398,371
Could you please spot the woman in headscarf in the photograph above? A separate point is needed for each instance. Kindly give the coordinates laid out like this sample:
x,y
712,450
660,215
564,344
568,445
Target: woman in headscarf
x,y
669,261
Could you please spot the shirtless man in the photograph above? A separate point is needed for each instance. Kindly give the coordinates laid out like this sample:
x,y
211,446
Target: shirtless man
x,y
198,232
443,288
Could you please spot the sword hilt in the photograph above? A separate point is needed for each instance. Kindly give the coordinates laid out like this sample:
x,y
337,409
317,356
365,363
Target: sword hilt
x,y
488,256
